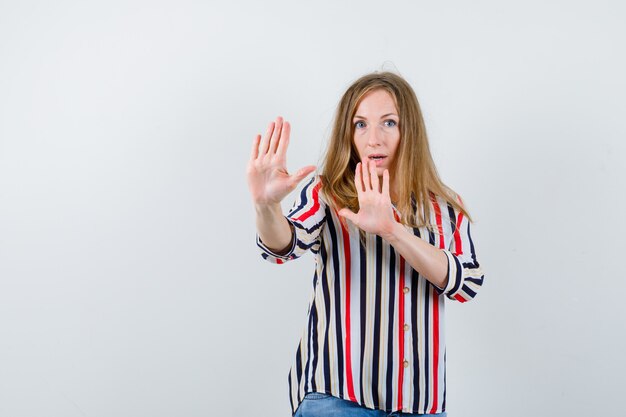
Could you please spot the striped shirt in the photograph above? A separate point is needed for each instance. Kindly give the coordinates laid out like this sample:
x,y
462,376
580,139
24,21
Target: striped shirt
x,y
375,327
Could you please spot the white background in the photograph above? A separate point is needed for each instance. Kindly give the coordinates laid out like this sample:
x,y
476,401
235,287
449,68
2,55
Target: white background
x,y
130,284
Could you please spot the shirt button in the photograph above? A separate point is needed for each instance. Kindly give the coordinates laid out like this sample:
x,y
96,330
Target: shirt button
x,y
406,364
406,327
406,290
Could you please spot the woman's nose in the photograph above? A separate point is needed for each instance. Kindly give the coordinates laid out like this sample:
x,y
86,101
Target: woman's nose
x,y
374,137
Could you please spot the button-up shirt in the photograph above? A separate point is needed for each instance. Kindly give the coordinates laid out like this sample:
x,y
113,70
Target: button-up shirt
x,y
374,330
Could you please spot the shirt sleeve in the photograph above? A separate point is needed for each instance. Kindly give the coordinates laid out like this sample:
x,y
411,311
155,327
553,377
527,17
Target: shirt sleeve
x,y
307,218
465,276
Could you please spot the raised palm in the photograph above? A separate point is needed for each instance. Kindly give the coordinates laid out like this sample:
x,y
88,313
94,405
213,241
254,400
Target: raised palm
x,y
268,179
375,213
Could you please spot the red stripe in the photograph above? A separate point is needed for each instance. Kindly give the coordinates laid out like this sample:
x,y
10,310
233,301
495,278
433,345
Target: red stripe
x,y
439,225
459,298
401,296
316,204
435,372
279,261
457,235
348,351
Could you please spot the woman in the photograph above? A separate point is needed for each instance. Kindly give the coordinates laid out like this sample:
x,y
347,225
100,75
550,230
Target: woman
x,y
390,240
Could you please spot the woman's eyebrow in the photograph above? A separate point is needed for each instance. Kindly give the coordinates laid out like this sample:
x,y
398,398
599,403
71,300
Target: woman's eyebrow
x,y
356,116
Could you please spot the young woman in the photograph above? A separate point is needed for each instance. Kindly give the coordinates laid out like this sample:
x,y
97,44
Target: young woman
x,y
391,241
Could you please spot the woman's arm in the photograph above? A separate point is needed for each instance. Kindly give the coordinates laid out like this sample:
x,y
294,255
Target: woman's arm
x,y
376,216
273,228
455,272
429,261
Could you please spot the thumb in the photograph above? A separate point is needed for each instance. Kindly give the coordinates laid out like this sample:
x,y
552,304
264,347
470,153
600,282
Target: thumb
x,y
348,214
301,173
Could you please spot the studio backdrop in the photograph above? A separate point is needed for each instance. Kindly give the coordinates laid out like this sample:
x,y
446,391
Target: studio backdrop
x,y
130,281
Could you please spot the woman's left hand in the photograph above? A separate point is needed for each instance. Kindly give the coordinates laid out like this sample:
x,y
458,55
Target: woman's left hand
x,y
375,210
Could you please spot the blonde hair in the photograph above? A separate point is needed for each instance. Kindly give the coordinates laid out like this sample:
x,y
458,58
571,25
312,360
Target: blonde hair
x,y
414,171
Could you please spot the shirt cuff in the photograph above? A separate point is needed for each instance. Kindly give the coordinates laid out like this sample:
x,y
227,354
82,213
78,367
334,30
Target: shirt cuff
x,y
269,254
454,275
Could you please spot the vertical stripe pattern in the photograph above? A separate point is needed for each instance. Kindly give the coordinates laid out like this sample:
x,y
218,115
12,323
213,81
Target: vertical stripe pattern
x,y
374,331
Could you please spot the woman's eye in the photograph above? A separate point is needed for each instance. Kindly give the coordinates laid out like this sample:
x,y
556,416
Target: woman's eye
x,y
359,125
390,123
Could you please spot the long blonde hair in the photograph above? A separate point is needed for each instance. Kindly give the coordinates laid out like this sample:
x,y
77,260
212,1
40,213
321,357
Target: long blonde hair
x,y
415,173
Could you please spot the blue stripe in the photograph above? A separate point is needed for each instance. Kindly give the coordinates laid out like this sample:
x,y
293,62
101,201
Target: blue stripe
x,y
303,200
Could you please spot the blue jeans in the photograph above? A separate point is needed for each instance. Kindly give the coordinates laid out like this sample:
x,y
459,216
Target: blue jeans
x,y
316,404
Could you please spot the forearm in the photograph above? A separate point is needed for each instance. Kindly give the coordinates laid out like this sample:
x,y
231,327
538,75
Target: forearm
x,y
427,260
273,228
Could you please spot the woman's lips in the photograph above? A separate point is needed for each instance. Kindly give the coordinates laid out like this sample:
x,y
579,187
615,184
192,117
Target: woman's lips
x,y
378,159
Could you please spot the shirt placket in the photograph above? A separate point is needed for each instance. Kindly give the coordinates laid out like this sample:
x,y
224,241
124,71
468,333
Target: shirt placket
x,y
404,342
407,360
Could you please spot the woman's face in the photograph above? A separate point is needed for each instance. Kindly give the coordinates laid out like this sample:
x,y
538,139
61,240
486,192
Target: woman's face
x,y
376,130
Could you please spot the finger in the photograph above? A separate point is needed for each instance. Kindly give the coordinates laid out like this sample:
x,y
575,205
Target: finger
x,y
266,140
275,136
358,181
366,176
283,143
255,147
386,184
374,177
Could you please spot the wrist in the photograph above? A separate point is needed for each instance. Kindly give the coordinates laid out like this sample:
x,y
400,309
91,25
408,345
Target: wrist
x,y
394,234
268,214
268,208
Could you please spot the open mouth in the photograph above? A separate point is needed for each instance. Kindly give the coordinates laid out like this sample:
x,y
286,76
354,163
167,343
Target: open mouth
x,y
377,159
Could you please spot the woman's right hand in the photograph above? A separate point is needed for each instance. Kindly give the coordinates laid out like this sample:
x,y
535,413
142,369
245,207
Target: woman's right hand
x,y
268,179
